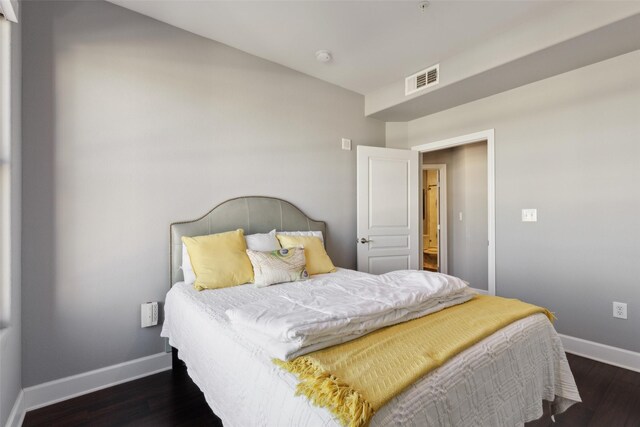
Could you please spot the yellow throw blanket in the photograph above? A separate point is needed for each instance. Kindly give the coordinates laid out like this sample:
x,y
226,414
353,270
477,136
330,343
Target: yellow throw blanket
x,y
353,380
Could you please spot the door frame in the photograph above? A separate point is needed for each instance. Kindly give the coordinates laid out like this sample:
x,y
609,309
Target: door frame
x,y
442,215
489,136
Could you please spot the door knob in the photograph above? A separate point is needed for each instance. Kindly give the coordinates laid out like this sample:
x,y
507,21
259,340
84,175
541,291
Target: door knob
x,y
363,240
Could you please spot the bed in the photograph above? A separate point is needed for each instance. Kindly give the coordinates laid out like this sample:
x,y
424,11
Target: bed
x,y
500,381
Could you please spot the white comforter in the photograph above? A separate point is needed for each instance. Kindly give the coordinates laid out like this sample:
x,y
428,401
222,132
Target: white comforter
x,y
337,309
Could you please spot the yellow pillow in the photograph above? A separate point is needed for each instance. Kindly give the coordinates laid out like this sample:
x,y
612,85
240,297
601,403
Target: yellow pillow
x,y
318,261
219,260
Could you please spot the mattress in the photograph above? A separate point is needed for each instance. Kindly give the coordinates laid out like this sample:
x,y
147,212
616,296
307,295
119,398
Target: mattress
x,y
501,381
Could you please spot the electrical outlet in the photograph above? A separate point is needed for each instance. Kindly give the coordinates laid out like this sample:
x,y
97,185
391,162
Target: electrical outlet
x,y
529,215
148,314
620,310
346,144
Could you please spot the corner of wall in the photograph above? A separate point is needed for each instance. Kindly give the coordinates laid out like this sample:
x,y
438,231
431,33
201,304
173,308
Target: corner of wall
x,y
397,134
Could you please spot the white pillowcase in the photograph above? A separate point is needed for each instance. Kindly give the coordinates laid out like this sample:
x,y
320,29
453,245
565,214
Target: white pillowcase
x,y
187,270
265,242
303,233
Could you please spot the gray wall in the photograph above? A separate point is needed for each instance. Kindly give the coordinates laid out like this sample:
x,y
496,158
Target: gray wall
x,y
568,146
131,124
396,134
10,338
467,193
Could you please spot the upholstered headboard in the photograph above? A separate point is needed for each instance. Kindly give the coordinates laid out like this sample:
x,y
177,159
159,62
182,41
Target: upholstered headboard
x,y
253,214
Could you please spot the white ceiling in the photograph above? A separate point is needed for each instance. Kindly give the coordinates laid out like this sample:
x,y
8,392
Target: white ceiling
x,y
373,43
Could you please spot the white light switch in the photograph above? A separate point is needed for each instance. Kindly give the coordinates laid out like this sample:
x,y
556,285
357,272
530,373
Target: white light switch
x,y
346,144
529,215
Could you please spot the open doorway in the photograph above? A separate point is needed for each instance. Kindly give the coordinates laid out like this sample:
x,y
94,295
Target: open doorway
x,y
434,217
466,244
466,217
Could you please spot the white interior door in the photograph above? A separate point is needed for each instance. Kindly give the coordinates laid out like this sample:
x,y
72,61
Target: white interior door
x,y
387,209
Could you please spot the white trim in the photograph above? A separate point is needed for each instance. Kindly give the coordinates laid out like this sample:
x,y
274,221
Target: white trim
x,y
16,417
489,136
5,177
481,291
66,388
602,353
484,135
443,261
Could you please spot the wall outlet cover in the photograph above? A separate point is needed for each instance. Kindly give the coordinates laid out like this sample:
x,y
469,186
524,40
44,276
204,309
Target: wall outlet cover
x,y
346,144
529,215
148,314
620,310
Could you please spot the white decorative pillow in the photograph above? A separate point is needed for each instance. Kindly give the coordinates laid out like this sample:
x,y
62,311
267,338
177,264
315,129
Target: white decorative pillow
x,y
265,242
283,265
187,270
303,233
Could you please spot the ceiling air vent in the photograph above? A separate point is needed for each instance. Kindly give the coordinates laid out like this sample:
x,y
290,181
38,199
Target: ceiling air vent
x,y
422,80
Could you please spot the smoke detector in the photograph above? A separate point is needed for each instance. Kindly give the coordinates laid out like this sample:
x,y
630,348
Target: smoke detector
x,y
424,5
323,56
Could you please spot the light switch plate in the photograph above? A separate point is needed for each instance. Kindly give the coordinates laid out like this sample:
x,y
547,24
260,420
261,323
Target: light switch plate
x,y
529,215
346,144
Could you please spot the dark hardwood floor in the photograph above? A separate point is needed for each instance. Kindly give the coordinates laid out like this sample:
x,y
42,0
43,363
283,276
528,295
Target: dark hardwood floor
x,y
169,398
611,398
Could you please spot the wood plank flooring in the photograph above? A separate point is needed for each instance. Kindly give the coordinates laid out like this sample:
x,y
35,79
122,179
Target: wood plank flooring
x,y
165,399
611,398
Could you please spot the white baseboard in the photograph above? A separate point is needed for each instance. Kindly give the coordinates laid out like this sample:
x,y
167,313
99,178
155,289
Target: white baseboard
x,y
17,412
481,291
66,388
602,353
